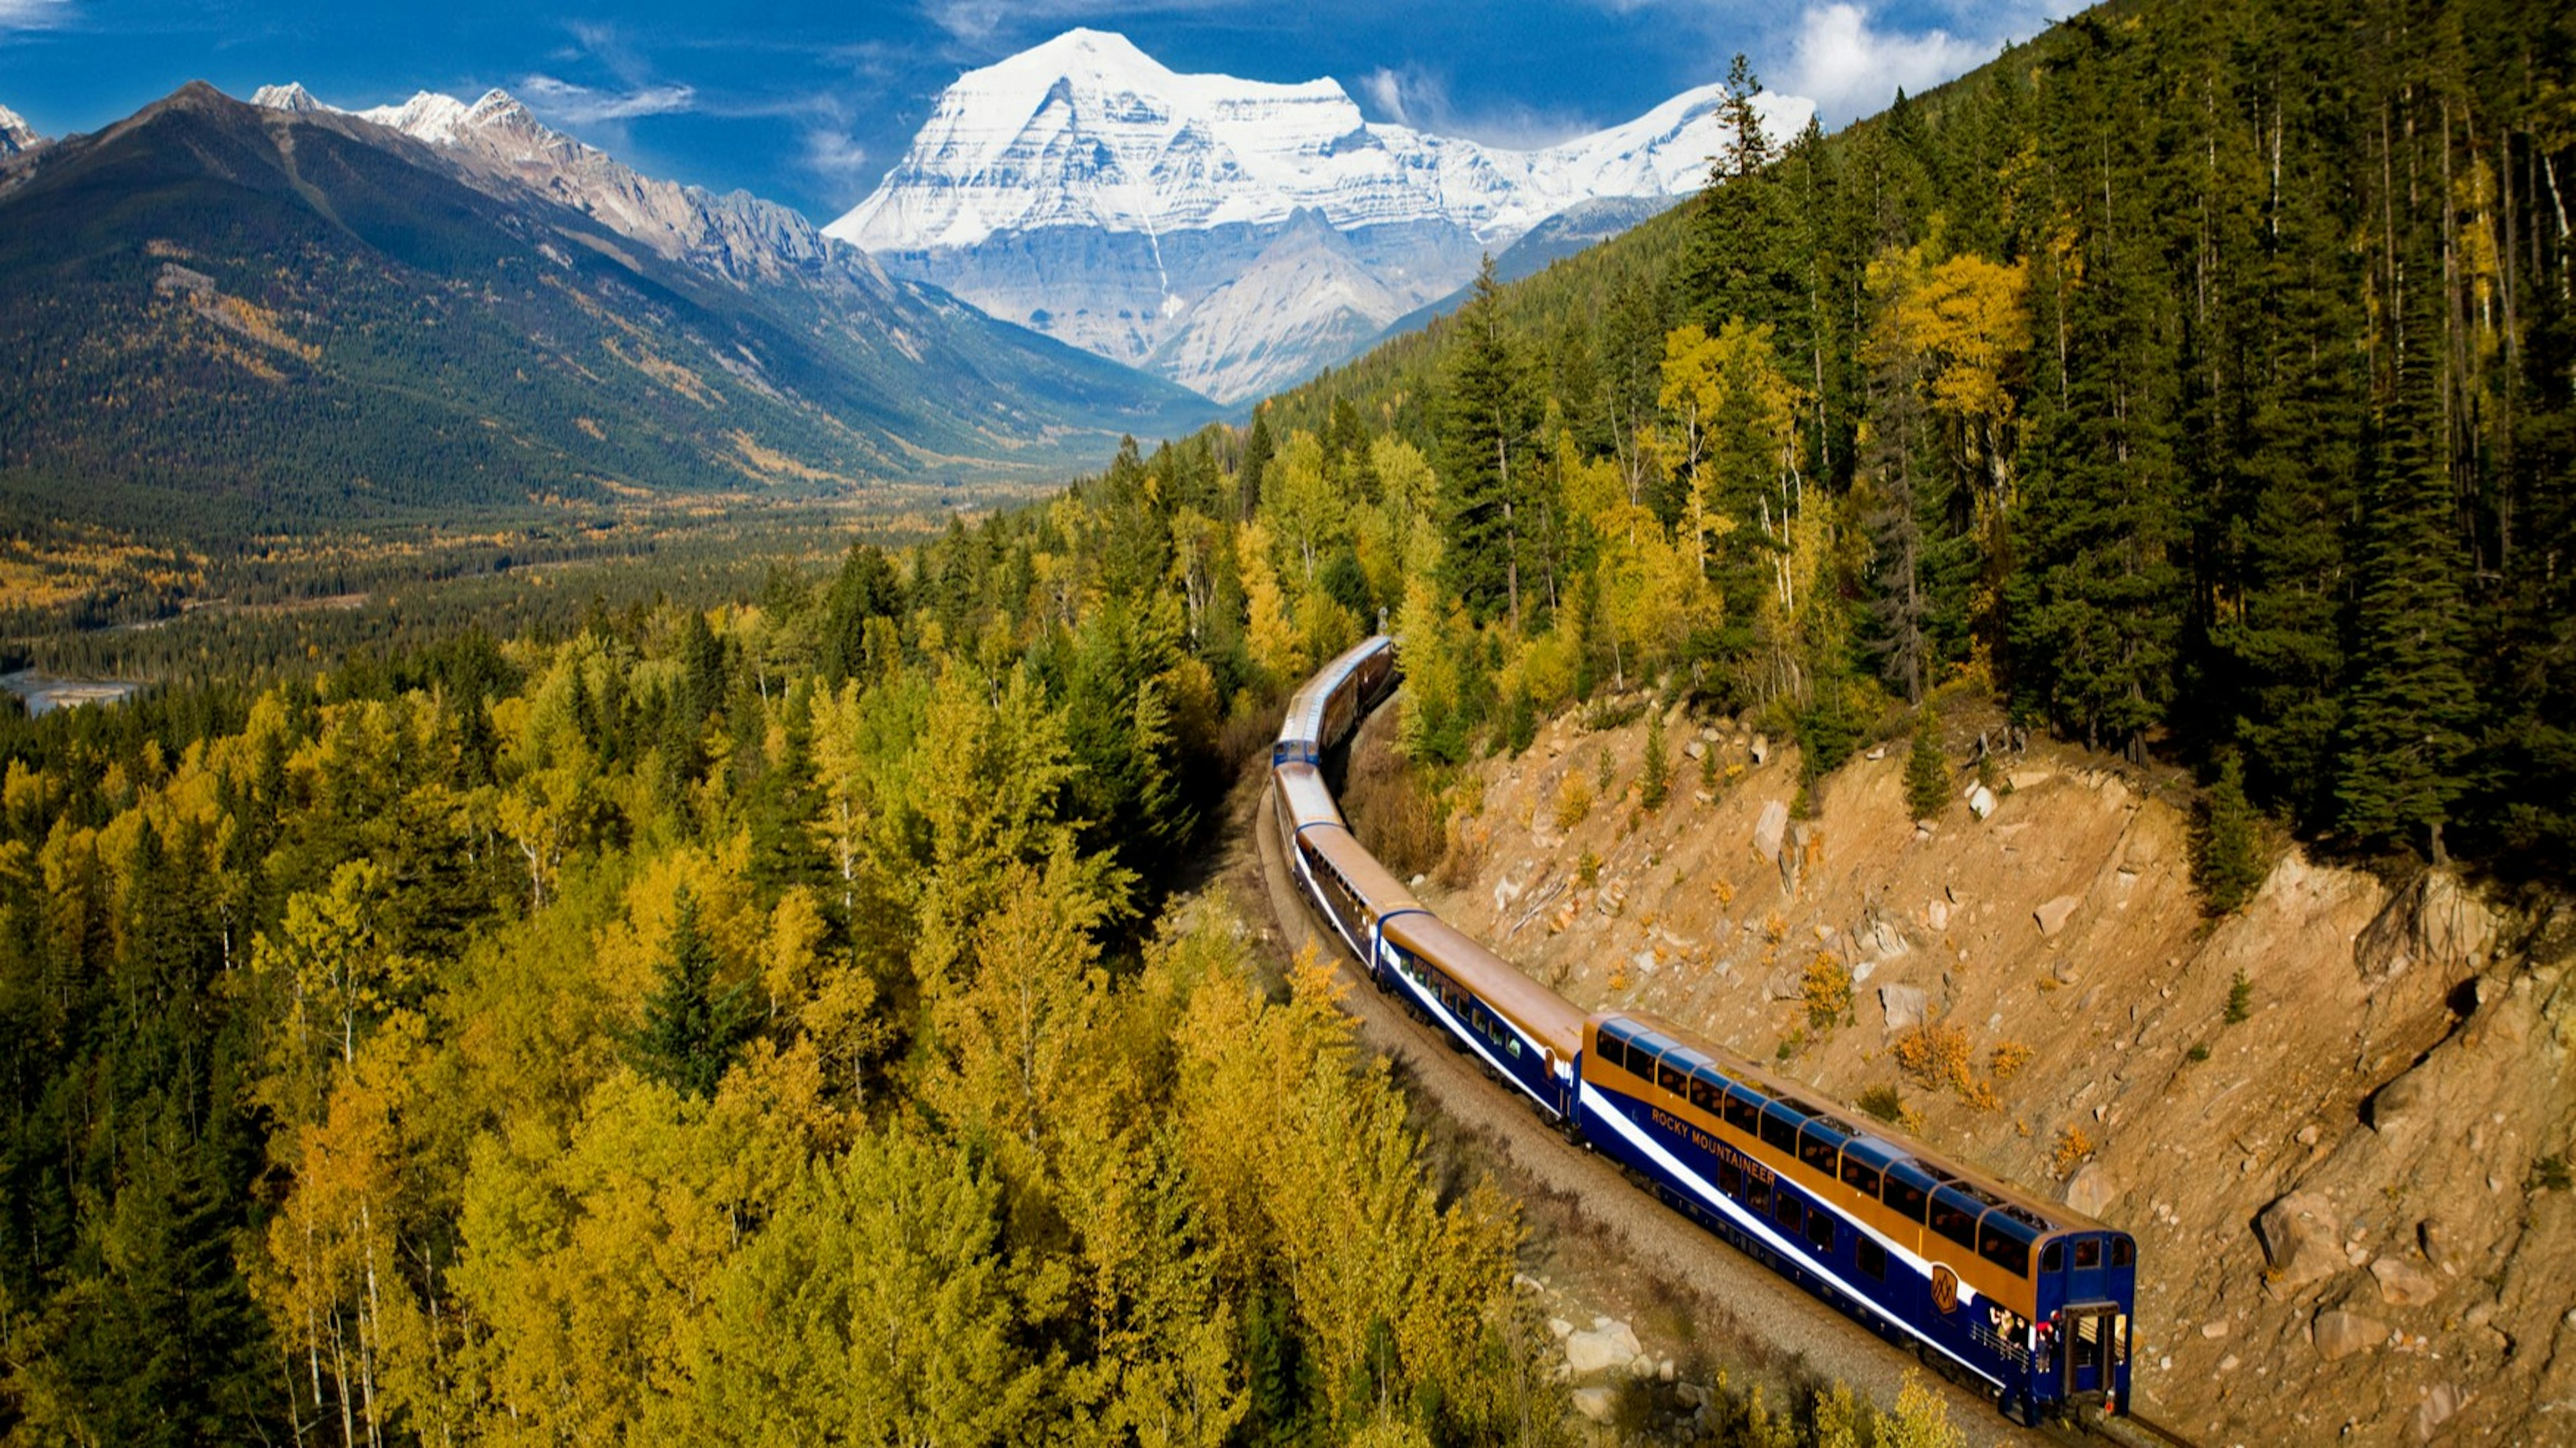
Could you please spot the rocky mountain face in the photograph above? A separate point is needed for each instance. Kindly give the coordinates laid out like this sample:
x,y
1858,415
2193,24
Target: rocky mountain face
x,y
2338,1120
1085,190
285,311
16,136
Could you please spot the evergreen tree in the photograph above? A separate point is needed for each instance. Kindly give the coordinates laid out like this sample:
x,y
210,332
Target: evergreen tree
x,y
1249,474
1655,775
691,1029
2226,861
1927,769
1485,425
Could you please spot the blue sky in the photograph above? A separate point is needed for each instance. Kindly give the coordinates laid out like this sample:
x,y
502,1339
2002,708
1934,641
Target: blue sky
x,y
809,103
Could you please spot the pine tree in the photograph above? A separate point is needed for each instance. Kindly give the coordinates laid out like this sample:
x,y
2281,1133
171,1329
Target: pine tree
x,y
690,1029
1257,448
1655,779
1484,427
2226,860
1927,769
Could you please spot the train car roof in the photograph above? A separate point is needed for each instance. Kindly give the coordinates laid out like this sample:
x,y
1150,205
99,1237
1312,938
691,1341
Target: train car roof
x,y
1547,1016
1305,713
1375,883
1890,1143
1309,800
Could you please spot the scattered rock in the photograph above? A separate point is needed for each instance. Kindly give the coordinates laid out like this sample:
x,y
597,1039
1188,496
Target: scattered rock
x,y
2229,1363
1596,1404
1904,1005
2092,1189
2437,1409
1880,937
1560,1328
2308,1134
1760,749
1641,1367
2021,779
1666,1371
2435,1239
1601,1349
2403,1284
1770,830
2214,1329
2063,972
1937,914
1694,749
1878,753
2341,1333
1788,983
2433,921
1981,801
2302,1240
2053,916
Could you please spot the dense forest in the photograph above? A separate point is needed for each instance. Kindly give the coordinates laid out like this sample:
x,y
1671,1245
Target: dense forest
x,y
2197,377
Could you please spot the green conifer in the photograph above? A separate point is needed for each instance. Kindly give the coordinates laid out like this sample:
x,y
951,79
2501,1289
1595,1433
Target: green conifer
x,y
690,1029
1927,770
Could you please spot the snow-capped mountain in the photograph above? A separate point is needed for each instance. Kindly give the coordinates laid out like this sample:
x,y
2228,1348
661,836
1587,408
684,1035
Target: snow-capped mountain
x,y
16,136
1086,190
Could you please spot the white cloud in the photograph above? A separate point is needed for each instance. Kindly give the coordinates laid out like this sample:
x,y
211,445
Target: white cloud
x,y
33,14
580,105
1850,68
834,153
1419,98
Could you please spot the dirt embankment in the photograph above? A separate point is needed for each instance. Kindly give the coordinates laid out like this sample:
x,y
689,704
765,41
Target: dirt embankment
x,y
2346,1173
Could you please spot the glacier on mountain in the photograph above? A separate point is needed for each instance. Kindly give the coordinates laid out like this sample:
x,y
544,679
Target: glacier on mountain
x,y
16,136
1084,189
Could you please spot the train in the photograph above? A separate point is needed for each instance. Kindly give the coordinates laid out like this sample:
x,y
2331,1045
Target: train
x,y
2006,1289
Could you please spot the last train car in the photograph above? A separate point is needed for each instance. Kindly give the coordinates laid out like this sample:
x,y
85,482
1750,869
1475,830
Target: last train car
x,y
1323,710
2025,1295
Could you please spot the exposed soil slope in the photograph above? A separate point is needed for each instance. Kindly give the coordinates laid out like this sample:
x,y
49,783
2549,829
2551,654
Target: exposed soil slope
x,y
2344,1201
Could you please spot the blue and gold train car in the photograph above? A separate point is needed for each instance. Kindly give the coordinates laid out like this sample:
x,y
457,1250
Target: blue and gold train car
x,y
2022,1293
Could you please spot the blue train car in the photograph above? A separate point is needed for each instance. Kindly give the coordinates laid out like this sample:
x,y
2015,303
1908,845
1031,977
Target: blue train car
x,y
1526,1035
2024,1295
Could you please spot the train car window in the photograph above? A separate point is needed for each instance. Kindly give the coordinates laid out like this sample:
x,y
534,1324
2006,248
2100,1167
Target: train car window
x,y
1860,1176
1513,1045
1779,1129
1907,1197
2088,1253
1744,1111
1954,1219
1672,1077
1757,1194
1730,1179
1612,1050
1820,1232
1785,1211
1706,1094
2005,1250
2052,1258
2124,1252
1820,1148
1873,1258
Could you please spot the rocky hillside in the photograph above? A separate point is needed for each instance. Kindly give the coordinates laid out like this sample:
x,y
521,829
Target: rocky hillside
x,y
2338,1121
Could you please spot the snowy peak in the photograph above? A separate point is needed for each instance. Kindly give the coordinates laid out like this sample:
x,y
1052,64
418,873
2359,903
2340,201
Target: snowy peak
x,y
1086,130
16,136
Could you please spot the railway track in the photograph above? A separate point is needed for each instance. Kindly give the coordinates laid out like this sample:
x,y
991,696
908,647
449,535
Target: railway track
x,y
1765,1314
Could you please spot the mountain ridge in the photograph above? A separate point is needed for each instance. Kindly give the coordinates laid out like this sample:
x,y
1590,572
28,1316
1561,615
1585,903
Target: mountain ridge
x,y
1089,192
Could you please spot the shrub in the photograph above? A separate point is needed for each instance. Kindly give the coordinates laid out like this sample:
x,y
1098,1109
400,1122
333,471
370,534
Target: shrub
x,y
1573,800
1708,768
2007,1060
1603,772
2198,1052
1587,869
1936,1056
1828,991
2550,1174
1884,1102
2074,1144
1927,771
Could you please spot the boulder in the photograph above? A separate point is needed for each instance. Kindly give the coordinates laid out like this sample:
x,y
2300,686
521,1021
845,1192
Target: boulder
x,y
1597,1404
1601,1349
2052,917
1981,801
1759,749
1881,939
1694,749
1937,914
2302,1240
1904,1005
2341,1333
2393,1103
1788,983
2404,1284
2433,921
2092,1189
1770,830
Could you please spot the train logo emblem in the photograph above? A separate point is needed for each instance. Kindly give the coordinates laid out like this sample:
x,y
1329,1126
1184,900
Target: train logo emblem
x,y
1945,1289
